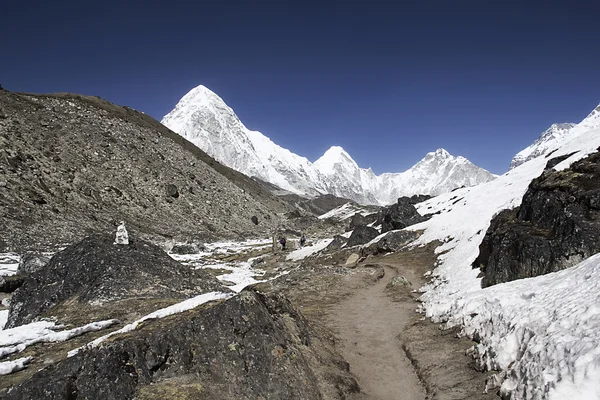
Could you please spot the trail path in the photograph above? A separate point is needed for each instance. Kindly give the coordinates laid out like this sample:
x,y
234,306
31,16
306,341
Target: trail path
x,y
368,324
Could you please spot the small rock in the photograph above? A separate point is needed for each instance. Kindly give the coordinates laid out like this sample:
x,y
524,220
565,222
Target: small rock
x,y
398,281
172,190
254,220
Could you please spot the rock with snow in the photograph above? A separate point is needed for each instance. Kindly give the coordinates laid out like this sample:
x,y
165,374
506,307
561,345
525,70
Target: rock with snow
x,y
95,271
390,242
31,262
204,119
541,332
556,226
250,346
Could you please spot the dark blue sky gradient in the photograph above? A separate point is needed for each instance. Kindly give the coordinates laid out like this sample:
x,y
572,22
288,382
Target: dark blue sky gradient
x,y
388,82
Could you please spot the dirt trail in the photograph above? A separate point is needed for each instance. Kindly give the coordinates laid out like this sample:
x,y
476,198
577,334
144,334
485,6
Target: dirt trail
x,y
368,324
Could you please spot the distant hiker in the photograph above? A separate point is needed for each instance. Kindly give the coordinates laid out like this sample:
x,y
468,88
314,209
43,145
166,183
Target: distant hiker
x,y
122,237
302,240
282,243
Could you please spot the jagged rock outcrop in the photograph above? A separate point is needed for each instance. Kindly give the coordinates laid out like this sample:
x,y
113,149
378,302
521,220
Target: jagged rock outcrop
x,y
556,226
358,219
401,214
73,165
361,235
252,346
95,271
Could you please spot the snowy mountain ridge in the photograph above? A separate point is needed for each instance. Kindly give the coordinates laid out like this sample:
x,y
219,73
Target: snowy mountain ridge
x,y
552,137
203,118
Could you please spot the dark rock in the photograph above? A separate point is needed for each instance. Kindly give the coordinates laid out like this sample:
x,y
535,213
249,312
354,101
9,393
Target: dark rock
x,y
553,162
254,220
360,220
251,346
392,242
31,262
9,284
337,242
172,190
556,226
95,271
362,235
401,214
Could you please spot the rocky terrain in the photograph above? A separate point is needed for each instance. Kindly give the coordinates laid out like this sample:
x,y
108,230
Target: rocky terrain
x,y
556,226
72,165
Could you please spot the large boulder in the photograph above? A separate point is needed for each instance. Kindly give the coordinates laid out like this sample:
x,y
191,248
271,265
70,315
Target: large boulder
x,y
361,235
556,226
95,271
252,346
401,214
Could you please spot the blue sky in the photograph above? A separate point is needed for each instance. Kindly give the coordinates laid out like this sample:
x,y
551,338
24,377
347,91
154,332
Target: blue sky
x,y
386,82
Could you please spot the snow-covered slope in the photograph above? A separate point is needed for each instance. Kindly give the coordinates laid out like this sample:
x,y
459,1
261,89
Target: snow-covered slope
x,y
543,144
204,119
543,332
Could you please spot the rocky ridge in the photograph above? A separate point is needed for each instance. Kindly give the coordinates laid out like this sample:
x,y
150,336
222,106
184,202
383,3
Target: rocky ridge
x,y
71,165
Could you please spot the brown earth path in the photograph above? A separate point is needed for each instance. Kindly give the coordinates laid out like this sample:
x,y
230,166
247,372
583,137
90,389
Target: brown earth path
x,y
367,324
396,353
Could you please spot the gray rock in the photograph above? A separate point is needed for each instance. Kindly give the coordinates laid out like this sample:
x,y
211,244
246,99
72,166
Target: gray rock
x,y
172,190
254,219
398,281
31,262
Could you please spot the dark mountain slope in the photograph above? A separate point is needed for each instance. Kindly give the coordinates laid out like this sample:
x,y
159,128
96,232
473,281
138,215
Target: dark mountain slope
x,y
71,165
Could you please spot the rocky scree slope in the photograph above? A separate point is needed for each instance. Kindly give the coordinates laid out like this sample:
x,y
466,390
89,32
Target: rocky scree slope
x,y
95,271
71,165
204,119
556,226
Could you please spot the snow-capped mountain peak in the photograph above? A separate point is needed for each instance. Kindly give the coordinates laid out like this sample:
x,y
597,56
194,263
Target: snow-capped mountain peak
x,y
544,144
335,155
203,118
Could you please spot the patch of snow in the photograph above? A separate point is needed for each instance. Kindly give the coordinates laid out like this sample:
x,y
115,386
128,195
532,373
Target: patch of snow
x,y
163,312
9,262
242,275
3,318
543,332
8,367
17,339
345,211
306,251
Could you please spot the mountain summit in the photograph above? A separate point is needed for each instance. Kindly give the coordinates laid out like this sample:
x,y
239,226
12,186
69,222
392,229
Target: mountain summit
x,y
204,119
